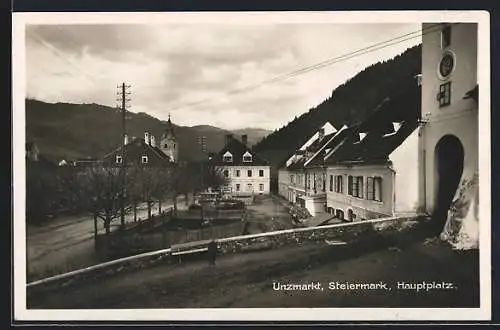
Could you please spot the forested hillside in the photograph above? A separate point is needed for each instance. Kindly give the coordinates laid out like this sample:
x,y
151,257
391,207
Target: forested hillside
x,y
70,131
348,103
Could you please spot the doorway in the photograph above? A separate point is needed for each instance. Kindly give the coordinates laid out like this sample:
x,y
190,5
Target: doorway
x,y
449,160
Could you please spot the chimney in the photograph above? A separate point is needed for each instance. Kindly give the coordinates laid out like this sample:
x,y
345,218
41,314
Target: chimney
x,y
321,133
125,139
146,137
152,140
244,139
228,138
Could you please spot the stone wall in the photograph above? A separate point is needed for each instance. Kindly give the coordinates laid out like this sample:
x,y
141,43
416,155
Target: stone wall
x,y
347,232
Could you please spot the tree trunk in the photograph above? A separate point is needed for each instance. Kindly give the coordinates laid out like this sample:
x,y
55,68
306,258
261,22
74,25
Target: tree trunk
x,y
149,210
175,203
159,206
135,211
107,226
95,229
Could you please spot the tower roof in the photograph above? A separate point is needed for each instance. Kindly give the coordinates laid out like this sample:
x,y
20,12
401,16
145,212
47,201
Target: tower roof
x,y
169,130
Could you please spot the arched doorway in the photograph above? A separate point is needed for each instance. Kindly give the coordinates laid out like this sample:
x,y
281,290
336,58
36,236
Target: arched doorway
x,y
449,164
340,214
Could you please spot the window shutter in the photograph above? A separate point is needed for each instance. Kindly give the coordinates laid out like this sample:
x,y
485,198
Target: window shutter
x,y
369,188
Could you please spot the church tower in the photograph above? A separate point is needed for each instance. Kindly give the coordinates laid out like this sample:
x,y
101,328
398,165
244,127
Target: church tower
x,y
168,142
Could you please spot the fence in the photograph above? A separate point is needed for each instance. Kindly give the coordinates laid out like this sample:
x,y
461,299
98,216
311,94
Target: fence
x,y
346,231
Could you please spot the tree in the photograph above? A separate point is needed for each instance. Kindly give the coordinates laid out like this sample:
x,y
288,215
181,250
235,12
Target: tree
x,y
104,189
162,186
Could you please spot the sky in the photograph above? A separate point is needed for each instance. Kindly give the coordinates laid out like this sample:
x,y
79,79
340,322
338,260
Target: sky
x,y
204,74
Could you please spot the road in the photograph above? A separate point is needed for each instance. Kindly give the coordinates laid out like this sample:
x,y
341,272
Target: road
x,y
66,243
246,280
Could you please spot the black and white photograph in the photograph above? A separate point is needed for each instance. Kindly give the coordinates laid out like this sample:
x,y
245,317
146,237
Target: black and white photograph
x,y
252,166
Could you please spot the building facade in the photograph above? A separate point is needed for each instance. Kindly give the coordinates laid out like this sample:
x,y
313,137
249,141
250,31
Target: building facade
x,y
302,180
449,138
247,172
373,172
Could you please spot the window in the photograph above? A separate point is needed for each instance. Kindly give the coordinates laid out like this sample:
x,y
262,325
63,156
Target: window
x,y
323,181
360,187
261,173
166,145
227,157
226,173
292,178
144,159
339,185
247,157
249,173
374,188
446,36
249,187
444,95
119,159
261,187
349,184
238,172
356,186
237,187
331,182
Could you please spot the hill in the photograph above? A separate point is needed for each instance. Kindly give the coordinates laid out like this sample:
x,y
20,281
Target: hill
x,y
351,102
71,131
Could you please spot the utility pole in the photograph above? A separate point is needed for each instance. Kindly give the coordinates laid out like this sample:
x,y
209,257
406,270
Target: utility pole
x,y
123,99
203,145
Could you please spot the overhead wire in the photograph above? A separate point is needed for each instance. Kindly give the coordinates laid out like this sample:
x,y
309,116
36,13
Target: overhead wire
x,y
390,42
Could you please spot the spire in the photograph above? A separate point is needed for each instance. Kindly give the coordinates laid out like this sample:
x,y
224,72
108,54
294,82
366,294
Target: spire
x,y
169,131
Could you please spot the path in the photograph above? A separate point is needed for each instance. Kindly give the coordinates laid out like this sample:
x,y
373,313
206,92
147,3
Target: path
x,y
246,280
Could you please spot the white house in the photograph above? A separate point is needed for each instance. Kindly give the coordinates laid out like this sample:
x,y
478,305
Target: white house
x,y
248,173
373,171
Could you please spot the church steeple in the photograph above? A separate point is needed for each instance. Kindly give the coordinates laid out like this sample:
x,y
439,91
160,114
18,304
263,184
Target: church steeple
x,y
168,142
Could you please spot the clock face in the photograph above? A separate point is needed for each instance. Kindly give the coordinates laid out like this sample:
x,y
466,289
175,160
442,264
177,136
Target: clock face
x,y
446,65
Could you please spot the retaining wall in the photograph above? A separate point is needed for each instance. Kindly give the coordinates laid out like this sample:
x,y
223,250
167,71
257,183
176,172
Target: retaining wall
x,y
346,232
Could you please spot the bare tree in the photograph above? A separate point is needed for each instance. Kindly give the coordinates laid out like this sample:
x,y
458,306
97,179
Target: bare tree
x,y
163,184
104,188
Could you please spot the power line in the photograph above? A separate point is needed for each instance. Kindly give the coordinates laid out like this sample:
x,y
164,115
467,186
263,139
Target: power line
x,y
34,36
390,42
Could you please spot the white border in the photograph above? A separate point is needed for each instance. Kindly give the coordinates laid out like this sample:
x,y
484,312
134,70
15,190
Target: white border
x,y
292,314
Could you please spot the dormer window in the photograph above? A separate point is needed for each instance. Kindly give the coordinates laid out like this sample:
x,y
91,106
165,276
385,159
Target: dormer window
x,y
227,157
144,159
119,159
247,157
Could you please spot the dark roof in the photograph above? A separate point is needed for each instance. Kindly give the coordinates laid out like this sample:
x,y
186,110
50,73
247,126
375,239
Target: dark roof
x,y
169,130
312,149
238,149
318,143
134,151
380,139
332,143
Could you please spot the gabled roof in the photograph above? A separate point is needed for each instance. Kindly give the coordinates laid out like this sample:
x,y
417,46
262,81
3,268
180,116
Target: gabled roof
x,y
381,139
331,145
311,147
134,150
238,149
